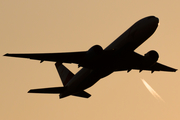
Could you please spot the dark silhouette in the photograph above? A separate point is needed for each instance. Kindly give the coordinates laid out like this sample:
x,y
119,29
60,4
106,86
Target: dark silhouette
x,y
98,63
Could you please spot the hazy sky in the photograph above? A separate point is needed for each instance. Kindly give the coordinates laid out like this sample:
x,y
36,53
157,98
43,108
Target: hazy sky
x,y
34,26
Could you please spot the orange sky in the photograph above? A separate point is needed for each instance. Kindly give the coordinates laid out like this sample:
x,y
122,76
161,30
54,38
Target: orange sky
x,y
34,26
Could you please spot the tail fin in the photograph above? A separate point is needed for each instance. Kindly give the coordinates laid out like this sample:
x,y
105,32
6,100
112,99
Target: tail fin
x,y
64,73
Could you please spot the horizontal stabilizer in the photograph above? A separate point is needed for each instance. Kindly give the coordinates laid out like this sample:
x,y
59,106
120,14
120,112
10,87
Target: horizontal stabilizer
x,y
53,90
82,94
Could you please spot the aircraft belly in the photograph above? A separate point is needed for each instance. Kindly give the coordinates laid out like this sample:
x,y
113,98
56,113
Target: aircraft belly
x,y
85,78
94,77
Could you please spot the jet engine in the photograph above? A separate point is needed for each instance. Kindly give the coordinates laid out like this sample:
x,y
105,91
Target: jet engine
x,y
91,57
151,58
94,52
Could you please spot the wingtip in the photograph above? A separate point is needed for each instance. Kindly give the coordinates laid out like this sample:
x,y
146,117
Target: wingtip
x,y
30,91
5,54
174,70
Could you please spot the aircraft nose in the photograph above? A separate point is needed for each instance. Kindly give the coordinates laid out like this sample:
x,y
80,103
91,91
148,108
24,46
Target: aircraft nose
x,y
153,18
145,28
150,17
156,19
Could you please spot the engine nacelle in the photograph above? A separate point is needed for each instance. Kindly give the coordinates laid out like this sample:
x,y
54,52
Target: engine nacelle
x,y
91,58
151,57
94,52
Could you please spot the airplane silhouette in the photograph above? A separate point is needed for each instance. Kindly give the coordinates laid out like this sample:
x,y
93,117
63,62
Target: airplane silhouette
x,y
98,63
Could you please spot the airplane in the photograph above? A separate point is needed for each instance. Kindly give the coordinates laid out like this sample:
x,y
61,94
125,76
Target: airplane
x,y
97,63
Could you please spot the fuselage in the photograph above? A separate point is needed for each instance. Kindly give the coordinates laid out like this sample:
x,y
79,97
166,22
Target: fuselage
x,y
127,42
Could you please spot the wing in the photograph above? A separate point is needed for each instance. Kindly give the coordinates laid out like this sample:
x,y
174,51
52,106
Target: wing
x,y
160,67
69,57
135,62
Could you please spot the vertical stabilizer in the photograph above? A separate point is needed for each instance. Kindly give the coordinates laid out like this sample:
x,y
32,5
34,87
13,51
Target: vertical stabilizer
x,y
64,73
